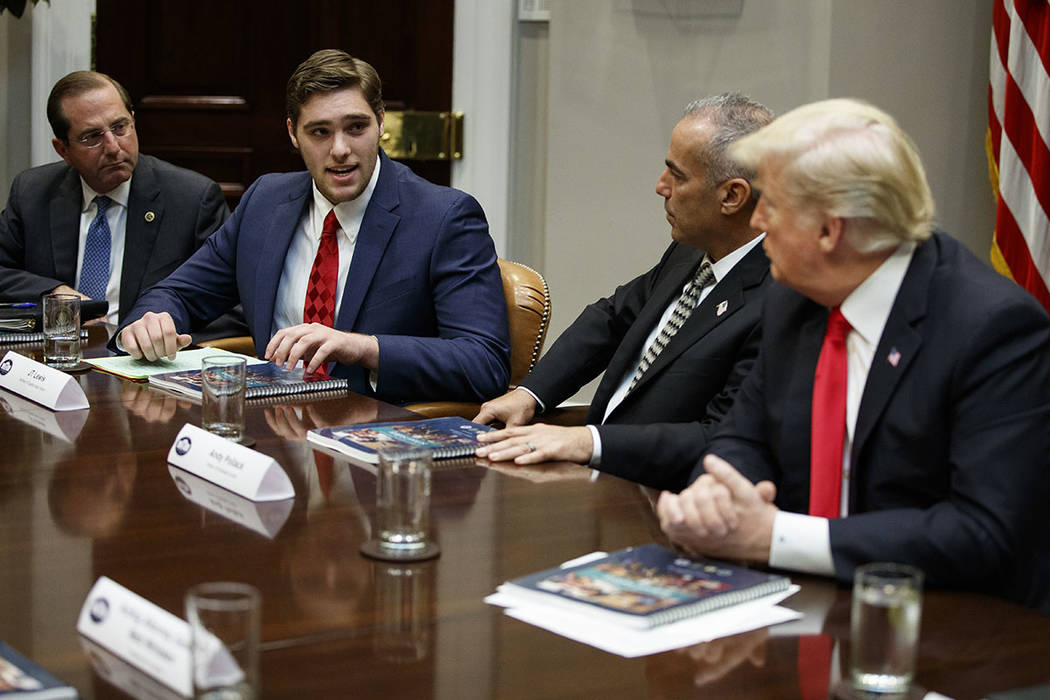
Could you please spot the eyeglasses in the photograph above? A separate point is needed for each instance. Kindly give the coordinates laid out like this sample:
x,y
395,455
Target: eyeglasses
x,y
94,139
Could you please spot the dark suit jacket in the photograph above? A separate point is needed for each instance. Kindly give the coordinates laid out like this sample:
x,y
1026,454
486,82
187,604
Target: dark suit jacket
x,y
951,456
661,428
423,280
41,223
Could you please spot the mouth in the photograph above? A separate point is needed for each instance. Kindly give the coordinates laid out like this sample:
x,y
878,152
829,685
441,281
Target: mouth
x,y
345,172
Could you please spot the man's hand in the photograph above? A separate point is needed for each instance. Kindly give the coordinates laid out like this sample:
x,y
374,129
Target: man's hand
x,y
537,443
516,407
316,344
153,336
66,289
721,514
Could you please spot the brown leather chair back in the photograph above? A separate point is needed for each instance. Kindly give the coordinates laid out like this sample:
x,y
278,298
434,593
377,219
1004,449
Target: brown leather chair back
x,y
528,314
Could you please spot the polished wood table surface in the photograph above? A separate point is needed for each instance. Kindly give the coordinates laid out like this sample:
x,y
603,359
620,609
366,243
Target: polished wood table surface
x,y
88,493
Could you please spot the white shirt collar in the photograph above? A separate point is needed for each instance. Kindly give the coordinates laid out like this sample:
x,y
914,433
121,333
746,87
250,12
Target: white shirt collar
x,y
349,213
868,306
723,266
118,194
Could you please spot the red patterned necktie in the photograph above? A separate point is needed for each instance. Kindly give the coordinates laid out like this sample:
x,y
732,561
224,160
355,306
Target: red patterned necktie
x,y
324,282
828,426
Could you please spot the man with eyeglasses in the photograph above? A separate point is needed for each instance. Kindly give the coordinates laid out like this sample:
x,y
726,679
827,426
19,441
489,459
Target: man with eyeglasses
x,y
107,223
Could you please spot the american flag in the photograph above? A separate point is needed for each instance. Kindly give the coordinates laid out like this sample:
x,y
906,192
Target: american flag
x,y
1017,142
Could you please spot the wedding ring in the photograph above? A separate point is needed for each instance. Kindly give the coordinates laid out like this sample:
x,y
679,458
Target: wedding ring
x,y
532,448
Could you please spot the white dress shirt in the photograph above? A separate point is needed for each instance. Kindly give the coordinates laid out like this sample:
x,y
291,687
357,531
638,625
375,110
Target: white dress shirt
x,y
299,260
802,542
117,218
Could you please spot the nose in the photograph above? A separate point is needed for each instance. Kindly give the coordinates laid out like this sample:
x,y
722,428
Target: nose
x,y
109,142
663,187
341,146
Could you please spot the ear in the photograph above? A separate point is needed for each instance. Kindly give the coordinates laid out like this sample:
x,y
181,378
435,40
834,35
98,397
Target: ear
x,y
733,195
291,133
382,121
832,233
61,149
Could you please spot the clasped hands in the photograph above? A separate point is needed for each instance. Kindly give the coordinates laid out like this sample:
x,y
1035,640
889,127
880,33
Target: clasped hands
x,y
154,336
721,514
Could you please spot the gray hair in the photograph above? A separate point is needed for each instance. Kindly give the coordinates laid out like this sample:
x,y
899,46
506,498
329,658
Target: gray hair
x,y
733,115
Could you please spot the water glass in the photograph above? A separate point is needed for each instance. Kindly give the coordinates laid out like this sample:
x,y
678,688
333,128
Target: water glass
x,y
402,506
222,384
224,640
884,622
62,330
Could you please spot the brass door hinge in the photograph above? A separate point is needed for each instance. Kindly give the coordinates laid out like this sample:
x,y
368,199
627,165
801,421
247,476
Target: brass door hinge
x,y
412,135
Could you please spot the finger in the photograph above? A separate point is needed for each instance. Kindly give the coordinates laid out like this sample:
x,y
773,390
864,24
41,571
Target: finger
x,y
183,339
767,491
319,356
508,450
669,511
740,487
169,336
130,343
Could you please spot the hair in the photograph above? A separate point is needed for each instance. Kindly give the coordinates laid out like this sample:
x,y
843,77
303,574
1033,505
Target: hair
x,y
733,115
73,85
846,158
329,70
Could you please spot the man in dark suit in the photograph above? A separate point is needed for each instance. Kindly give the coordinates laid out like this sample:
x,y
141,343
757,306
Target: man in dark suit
x,y
660,397
155,214
916,432
421,314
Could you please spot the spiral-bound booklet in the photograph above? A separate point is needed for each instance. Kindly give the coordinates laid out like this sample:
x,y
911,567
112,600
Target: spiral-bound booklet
x,y
262,380
444,437
645,586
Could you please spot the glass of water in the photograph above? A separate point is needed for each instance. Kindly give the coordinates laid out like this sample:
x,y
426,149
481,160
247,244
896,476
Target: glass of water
x,y
62,330
222,406
402,506
884,625
224,645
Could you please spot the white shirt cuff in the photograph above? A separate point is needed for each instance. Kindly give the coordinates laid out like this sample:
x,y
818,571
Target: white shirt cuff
x,y
537,398
801,543
596,452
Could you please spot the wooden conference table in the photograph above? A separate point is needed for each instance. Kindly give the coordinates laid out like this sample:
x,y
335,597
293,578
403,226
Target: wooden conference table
x,y
89,493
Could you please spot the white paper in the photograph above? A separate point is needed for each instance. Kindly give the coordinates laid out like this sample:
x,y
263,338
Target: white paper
x,y
184,360
267,518
139,632
38,382
230,465
65,425
630,642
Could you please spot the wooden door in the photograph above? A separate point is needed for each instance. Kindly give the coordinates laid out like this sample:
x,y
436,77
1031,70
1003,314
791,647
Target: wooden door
x,y
207,77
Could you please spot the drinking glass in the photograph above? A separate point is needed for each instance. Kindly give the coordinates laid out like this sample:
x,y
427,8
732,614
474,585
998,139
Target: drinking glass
x,y
62,330
222,406
402,506
224,640
884,622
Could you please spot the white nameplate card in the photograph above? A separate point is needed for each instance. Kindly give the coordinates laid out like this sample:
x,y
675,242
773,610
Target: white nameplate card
x,y
140,632
267,518
234,467
38,382
123,675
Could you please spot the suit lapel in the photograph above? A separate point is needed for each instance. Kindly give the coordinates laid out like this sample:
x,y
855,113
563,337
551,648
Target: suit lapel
x,y
667,288
65,226
377,227
140,231
898,346
283,224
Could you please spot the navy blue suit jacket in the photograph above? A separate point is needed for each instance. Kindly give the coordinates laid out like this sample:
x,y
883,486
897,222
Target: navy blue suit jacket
x,y
423,280
950,465
656,434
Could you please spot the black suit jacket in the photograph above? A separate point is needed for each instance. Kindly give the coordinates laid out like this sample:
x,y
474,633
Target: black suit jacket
x,y
661,428
951,456
171,211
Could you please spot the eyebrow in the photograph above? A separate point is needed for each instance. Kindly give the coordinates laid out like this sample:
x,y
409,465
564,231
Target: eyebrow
x,y
674,168
352,117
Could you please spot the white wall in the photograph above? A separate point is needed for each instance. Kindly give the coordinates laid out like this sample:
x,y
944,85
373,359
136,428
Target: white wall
x,y
620,72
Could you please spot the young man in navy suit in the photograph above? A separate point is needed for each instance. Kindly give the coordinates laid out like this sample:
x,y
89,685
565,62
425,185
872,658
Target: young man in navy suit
x,y
357,267
899,406
651,424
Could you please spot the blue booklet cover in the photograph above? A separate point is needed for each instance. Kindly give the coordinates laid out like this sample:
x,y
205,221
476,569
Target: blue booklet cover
x,y
21,678
445,437
646,586
265,379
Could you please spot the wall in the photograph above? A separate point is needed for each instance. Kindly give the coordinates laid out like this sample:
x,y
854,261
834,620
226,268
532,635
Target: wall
x,y
619,73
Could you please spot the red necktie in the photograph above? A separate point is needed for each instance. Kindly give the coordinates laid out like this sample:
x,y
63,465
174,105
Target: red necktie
x,y
828,427
324,282
325,472
814,666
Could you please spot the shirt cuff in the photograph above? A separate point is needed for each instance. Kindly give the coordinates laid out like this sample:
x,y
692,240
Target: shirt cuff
x,y
373,374
596,451
539,403
801,543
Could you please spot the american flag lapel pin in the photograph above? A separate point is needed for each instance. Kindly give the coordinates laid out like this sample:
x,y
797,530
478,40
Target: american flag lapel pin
x,y
722,306
894,357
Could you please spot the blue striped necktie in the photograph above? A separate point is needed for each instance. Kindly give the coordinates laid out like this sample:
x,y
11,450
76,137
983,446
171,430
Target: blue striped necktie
x,y
94,272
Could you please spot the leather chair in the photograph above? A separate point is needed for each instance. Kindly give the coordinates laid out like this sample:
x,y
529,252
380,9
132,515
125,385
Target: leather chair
x,y
528,314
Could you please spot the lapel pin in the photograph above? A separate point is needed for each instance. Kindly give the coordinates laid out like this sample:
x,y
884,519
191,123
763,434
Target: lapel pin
x,y
894,357
150,216
722,306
